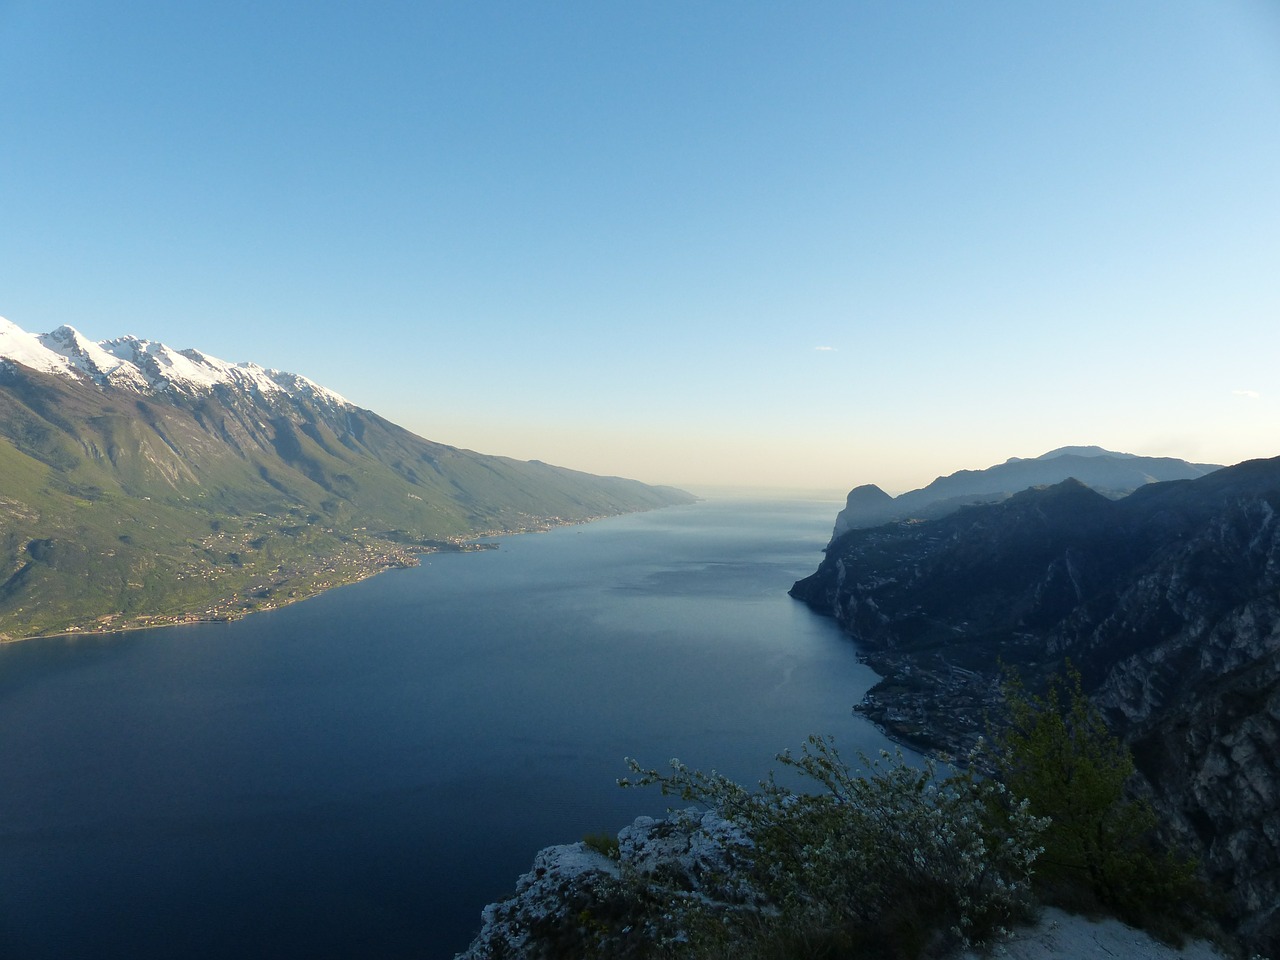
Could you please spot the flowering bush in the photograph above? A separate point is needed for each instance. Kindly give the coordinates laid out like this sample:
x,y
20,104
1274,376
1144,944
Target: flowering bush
x,y
885,860
890,860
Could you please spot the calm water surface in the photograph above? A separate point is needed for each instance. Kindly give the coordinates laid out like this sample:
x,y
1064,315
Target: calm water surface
x,y
357,775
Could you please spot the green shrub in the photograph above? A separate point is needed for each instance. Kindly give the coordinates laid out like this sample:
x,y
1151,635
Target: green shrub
x,y
1100,849
604,843
894,862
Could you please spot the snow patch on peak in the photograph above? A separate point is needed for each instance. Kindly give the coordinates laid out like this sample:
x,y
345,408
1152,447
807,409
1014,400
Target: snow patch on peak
x,y
89,358
163,367
295,384
150,367
26,349
202,370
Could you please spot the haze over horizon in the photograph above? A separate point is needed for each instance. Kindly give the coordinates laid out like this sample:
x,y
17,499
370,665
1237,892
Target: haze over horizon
x,y
725,244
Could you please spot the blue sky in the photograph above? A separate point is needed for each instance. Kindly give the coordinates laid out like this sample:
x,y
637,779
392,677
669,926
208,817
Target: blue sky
x,y
807,245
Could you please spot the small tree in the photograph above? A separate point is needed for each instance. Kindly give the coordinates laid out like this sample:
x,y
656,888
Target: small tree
x,y
1100,849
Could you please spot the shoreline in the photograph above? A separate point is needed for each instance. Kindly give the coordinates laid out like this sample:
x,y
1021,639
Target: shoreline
x,y
159,621
392,555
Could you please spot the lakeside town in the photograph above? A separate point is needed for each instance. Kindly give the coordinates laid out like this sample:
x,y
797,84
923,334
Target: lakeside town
x,y
346,559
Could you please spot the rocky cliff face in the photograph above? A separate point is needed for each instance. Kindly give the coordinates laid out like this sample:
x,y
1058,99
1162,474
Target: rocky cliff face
x,y
1168,601
577,901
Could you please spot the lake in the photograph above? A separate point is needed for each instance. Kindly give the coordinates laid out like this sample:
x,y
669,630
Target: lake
x,y
360,773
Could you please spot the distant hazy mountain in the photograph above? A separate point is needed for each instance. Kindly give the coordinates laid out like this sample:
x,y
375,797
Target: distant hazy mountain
x,y
1109,473
138,481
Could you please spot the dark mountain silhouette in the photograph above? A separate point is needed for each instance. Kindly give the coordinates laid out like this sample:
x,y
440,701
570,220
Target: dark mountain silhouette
x,y
1167,601
1111,474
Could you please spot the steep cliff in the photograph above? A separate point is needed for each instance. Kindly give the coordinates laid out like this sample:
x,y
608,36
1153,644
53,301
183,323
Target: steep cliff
x,y
1167,600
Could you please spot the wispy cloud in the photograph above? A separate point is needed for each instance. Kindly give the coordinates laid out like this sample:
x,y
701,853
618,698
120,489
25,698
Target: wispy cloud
x,y
825,349
1248,394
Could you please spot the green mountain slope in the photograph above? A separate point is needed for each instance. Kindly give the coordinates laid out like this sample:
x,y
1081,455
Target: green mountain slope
x,y
121,509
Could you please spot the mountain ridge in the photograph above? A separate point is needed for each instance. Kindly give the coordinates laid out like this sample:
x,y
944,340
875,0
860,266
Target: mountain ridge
x,y
174,485
146,366
1168,603
1110,473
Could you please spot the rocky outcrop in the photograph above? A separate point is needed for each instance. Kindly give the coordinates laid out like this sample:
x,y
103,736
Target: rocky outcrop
x,y
578,901
1168,601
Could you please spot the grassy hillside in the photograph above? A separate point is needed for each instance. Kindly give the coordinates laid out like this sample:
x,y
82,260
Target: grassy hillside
x,y
121,510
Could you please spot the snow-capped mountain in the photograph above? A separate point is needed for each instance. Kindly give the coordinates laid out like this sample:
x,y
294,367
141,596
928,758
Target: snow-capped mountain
x,y
140,480
149,367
